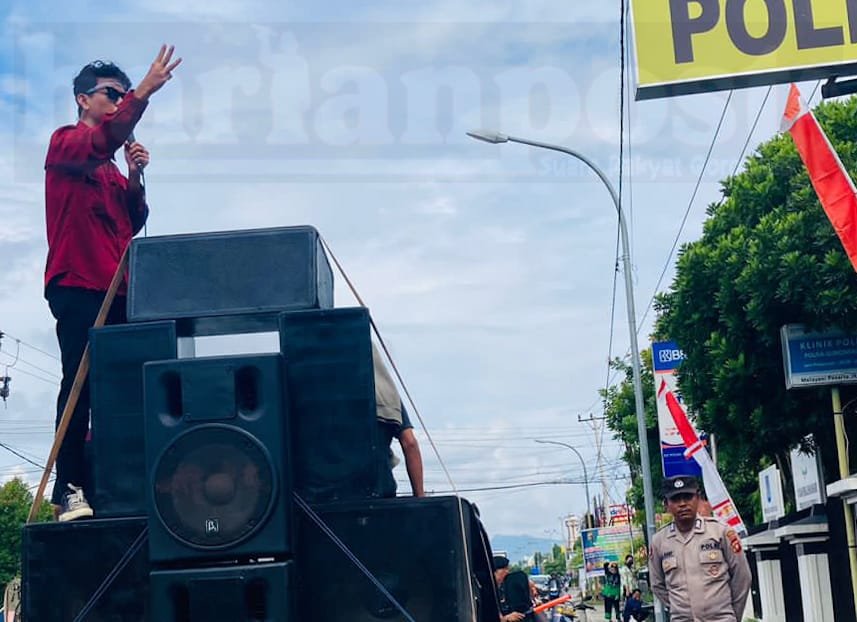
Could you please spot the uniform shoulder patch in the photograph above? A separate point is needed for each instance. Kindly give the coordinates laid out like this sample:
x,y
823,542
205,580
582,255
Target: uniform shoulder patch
x,y
665,528
734,541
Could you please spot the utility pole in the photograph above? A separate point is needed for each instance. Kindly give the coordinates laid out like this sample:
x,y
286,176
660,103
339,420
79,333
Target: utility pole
x,y
597,426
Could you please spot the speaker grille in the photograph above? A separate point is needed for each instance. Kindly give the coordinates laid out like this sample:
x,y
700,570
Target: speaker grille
x,y
214,486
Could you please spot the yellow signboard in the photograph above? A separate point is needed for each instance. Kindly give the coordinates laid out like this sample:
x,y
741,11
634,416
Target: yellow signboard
x,y
693,46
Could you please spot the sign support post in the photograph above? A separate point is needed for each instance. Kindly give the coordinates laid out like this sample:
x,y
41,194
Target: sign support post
x,y
842,452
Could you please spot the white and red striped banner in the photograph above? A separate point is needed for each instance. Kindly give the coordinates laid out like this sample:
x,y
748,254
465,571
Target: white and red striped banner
x,y
831,181
721,502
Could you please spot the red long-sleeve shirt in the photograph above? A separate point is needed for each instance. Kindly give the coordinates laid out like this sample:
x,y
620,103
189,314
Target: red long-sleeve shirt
x,y
90,212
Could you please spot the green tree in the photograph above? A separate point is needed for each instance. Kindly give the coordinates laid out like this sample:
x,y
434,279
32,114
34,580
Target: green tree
x,y
15,502
556,563
768,256
621,418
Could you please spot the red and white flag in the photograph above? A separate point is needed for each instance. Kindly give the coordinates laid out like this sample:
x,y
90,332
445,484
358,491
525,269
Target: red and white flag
x,y
831,181
721,501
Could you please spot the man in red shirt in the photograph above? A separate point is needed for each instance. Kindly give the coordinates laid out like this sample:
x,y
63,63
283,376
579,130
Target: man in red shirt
x,y
92,211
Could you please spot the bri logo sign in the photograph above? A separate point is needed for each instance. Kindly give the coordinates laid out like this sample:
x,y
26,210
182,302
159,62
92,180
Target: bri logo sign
x,y
666,355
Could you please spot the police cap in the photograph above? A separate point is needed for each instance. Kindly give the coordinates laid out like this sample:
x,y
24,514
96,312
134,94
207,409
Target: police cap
x,y
680,485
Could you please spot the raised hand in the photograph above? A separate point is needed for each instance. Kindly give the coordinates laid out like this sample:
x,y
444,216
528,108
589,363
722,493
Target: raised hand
x,y
159,73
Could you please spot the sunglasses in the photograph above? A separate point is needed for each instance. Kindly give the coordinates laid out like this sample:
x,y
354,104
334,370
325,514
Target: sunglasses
x,y
112,94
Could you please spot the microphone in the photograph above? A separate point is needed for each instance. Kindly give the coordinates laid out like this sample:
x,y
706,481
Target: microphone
x,y
130,140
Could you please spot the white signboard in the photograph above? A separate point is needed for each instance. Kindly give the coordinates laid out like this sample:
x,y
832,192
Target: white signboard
x,y
807,479
771,489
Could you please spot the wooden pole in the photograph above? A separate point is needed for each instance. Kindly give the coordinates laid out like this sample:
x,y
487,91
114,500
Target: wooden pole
x,y
77,387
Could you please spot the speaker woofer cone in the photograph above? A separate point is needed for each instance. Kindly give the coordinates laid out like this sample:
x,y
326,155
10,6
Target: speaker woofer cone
x,y
214,486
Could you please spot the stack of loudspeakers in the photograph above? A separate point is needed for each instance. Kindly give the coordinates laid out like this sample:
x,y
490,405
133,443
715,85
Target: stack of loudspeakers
x,y
198,461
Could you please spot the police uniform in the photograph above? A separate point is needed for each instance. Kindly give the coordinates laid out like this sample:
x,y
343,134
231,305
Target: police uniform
x,y
701,576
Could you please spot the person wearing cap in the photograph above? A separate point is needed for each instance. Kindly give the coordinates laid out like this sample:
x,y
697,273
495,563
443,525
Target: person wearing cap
x,y
513,590
697,566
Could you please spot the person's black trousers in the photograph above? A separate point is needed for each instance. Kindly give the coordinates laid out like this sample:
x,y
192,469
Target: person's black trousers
x,y
75,310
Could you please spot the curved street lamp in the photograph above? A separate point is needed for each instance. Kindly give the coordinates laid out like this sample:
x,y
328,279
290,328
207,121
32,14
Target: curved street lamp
x,y
494,137
585,474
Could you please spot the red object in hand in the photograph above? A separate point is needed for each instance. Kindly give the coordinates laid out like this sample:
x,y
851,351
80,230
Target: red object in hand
x,y
552,603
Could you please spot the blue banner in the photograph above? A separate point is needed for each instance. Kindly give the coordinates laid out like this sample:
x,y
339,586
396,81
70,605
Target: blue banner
x,y
818,358
666,358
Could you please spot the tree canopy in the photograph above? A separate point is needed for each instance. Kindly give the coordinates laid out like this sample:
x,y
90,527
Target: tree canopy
x,y
15,502
768,256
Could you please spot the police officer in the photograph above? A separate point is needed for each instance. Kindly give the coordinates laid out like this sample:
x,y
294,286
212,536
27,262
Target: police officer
x,y
697,566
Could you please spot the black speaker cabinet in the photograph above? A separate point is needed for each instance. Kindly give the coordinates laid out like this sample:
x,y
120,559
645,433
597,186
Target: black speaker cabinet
x,y
254,593
64,564
418,550
228,282
332,403
217,458
116,390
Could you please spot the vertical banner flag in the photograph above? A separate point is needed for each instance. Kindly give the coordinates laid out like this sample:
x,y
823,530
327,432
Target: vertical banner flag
x,y
831,181
722,505
721,502
666,357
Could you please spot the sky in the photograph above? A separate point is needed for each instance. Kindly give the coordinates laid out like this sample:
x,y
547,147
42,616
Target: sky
x,y
489,269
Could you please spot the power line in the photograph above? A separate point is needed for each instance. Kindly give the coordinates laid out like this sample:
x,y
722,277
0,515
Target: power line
x,y
814,91
687,211
21,361
21,456
506,487
621,188
752,129
18,370
28,345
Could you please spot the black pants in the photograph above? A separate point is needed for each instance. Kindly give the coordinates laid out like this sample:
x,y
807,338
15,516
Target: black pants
x,y
610,605
75,310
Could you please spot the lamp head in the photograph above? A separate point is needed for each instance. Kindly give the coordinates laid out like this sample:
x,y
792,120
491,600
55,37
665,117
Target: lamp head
x,y
489,136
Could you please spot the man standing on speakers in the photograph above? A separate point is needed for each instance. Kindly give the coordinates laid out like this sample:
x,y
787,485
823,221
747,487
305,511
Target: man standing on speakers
x,y
92,211
393,422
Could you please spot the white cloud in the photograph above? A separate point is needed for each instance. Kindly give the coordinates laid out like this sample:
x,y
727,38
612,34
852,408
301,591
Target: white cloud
x,y
488,268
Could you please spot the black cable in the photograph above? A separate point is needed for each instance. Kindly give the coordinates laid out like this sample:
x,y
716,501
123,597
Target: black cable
x,y
814,91
303,505
753,129
21,361
24,343
628,129
809,102
687,211
21,456
621,188
18,370
127,556
563,482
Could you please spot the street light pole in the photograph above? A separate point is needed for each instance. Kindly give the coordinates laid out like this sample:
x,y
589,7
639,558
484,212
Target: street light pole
x,y
496,138
585,474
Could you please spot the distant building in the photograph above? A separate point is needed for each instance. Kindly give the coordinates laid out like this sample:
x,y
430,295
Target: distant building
x,y
572,532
